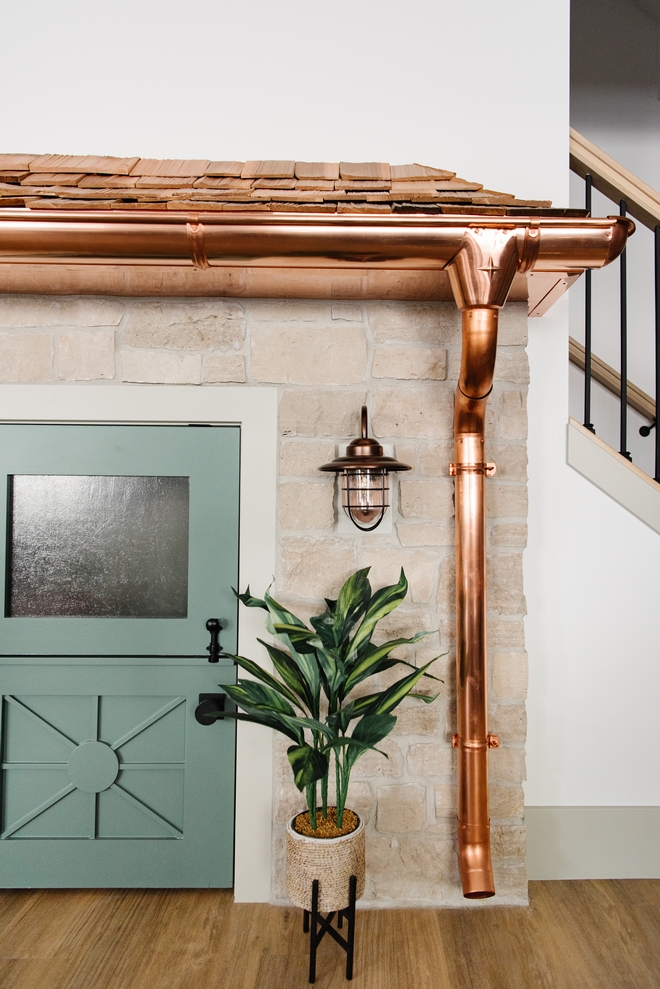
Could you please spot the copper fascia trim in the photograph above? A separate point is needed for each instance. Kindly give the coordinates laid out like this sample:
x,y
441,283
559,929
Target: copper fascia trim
x,y
482,255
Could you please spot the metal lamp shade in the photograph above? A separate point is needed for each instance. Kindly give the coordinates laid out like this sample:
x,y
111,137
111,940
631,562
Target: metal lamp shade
x,y
365,482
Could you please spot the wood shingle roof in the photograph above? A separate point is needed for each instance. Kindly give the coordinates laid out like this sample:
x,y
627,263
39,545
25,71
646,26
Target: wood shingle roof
x,y
102,182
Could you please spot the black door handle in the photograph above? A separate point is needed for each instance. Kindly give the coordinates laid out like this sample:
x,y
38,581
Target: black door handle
x,y
210,705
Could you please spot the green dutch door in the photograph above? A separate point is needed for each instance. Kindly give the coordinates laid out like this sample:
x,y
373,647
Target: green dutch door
x,y
120,543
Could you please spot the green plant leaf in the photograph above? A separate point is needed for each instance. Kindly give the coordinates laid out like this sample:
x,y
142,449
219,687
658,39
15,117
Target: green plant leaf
x,y
281,614
250,667
293,676
297,636
315,725
373,728
266,721
381,604
388,699
259,697
249,601
427,698
308,765
333,670
368,664
351,604
350,743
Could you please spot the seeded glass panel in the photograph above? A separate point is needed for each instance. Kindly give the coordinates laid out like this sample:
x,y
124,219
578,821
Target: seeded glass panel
x,y
98,546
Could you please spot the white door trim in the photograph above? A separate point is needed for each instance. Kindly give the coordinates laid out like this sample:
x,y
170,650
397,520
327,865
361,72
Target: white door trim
x,y
255,410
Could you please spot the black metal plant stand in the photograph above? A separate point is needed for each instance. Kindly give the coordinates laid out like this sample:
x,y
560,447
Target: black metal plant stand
x,y
321,925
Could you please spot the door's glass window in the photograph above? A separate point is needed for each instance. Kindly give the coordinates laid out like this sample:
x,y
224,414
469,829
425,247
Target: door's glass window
x,y
98,546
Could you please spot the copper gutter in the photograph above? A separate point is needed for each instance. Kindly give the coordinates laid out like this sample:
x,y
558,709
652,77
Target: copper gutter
x,y
481,255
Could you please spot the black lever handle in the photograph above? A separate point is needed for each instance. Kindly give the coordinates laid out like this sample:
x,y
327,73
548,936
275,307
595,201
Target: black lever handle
x,y
210,705
213,649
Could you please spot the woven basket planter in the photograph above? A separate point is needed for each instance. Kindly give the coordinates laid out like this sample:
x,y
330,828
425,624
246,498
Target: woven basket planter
x,y
330,860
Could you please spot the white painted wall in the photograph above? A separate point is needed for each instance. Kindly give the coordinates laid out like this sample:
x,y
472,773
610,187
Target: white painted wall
x,y
477,87
592,570
592,574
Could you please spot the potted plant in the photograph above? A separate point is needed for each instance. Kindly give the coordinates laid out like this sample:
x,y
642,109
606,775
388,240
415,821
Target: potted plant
x,y
314,702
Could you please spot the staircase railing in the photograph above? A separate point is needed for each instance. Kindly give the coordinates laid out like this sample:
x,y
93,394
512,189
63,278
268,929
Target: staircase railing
x,y
640,201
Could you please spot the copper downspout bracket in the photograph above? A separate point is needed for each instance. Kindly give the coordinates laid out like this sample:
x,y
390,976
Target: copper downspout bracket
x,y
492,741
487,469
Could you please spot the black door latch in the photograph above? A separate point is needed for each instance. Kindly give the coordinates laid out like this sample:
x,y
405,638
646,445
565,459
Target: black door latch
x,y
213,649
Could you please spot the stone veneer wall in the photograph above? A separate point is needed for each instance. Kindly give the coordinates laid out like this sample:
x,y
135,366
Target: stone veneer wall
x,y
327,359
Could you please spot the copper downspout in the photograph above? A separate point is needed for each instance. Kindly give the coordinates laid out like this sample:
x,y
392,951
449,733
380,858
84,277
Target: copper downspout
x,y
481,256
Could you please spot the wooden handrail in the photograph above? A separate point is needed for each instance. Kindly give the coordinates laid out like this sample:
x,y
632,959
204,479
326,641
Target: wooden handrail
x,y
614,181
611,379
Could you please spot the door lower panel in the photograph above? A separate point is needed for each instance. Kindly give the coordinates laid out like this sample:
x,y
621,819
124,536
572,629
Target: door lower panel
x,y
108,779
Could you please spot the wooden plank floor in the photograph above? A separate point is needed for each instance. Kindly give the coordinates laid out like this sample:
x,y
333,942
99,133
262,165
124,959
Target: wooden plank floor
x,y
574,935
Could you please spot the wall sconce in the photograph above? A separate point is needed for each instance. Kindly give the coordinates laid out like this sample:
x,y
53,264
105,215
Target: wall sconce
x,y
365,485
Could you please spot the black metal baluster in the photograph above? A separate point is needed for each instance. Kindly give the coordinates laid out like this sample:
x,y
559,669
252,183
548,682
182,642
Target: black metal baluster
x,y
623,403
587,321
657,351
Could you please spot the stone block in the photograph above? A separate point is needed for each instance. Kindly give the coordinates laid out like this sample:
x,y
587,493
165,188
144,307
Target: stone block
x,y
33,310
289,310
404,622
511,460
435,458
508,841
288,801
446,799
223,367
373,765
431,759
415,717
350,312
306,504
311,412
447,586
509,534
302,458
512,365
193,324
161,367
507,765
436,323
410,363
510,674
506,501
360,799
422,499
505,584
26,357
421,569
425,533
512,330
401,808
509,721
512,415
406,453
417,869
506,802
315,568
506,635
421,409
306,356
86,356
